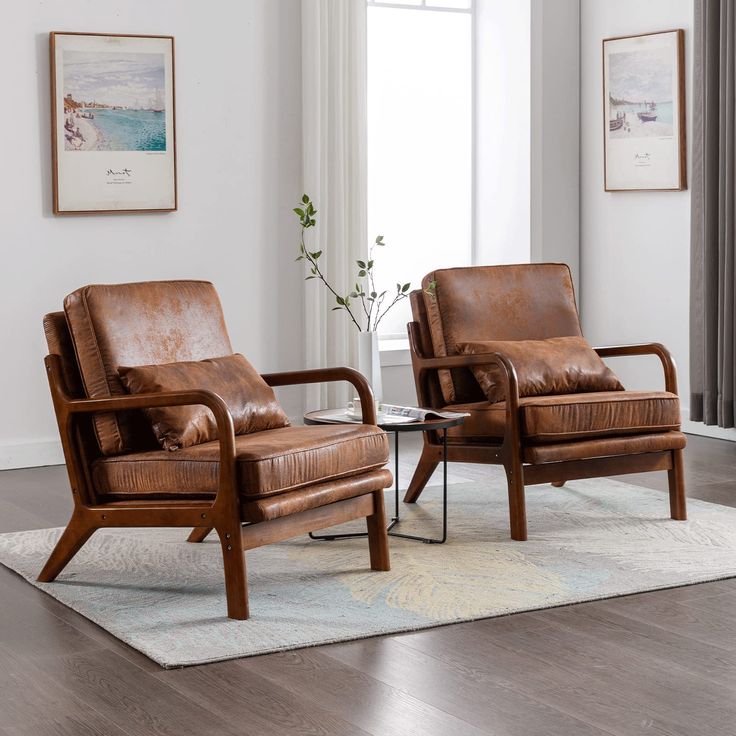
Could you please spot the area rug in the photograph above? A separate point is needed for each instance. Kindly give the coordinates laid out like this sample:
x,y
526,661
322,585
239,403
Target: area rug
x,y
591,539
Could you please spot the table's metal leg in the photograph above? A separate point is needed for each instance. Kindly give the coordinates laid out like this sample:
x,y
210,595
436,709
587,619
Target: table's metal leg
x,y
429,540
395,519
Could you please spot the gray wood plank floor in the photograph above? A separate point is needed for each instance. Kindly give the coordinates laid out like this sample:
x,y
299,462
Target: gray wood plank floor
x,y
654,663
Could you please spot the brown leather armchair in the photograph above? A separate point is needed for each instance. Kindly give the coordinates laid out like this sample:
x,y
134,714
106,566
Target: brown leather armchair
x,y
252,489
537,439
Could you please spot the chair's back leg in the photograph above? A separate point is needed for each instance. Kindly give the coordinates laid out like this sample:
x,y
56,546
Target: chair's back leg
x,y
199,533
676,478
71,541
428,462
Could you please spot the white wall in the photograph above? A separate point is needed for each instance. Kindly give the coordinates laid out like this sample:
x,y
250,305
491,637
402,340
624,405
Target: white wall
x,y
238,101
634,245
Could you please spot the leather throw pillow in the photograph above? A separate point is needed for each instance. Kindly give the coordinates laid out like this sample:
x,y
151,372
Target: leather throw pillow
x,y
558,365
249,398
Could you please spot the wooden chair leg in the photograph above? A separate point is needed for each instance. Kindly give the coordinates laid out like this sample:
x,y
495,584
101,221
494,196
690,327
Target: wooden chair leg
x,y
517,501
71,541
429,460
377,535
236,584
199,534
676,478
558,483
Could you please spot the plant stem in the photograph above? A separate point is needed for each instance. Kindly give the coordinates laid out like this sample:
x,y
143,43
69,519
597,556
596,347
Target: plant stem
x,y
322,278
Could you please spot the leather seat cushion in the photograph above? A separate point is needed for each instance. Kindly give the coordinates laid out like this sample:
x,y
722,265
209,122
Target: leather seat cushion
x,y
303,499
555,452
269,462
573,416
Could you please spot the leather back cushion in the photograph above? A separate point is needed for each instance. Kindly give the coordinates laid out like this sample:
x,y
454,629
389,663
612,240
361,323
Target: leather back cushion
x,y
59,342
140,324
430,394
559,365
533,301
249,398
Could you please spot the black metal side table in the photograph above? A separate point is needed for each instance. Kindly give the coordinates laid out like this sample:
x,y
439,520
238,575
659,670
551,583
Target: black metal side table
x,y
328,417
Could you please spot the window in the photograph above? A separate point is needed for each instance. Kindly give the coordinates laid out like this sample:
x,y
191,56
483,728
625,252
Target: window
x,y
419,141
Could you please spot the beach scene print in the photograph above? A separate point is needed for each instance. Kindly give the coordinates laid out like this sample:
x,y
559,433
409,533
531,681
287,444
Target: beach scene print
x,y
114,101
640,93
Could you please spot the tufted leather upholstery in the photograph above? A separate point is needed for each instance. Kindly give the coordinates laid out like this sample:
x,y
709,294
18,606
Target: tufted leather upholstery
x,y
269,462
140,324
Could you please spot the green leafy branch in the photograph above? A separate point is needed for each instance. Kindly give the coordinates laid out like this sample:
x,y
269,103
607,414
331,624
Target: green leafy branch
x,y
364,297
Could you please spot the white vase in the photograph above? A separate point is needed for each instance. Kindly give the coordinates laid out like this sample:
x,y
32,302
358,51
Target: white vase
x,y
369,362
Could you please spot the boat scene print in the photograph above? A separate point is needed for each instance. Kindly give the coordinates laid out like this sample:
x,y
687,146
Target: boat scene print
x,y
114,101
640,90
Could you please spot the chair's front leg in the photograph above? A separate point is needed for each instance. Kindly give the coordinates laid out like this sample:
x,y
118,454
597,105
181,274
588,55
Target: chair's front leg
x,y
378,535
676,478
517,500
233,557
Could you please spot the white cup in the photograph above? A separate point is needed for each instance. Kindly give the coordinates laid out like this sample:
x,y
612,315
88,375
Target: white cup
x,y
354,408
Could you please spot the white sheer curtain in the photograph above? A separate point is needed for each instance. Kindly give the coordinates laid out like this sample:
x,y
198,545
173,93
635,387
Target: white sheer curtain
x,y
334,91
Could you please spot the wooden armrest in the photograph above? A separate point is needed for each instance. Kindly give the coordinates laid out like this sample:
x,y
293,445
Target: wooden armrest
x,y
328,375
649,348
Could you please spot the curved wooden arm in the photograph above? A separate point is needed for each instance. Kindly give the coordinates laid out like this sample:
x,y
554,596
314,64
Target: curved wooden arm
x,y
649,348
328,375
67,407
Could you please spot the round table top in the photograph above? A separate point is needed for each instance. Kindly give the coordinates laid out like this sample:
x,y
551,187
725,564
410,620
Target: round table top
x,y
327,416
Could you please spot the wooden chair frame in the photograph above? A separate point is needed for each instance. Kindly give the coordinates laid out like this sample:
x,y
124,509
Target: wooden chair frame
x,y
509,451
223,513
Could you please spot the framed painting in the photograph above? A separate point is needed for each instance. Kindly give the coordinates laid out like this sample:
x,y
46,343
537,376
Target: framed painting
x,y
113,137
644,112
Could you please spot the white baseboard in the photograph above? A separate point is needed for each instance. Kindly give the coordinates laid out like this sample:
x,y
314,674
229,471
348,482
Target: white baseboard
x,y
30,454
706,430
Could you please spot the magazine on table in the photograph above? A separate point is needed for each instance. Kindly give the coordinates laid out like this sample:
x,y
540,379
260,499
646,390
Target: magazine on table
x,y
415,414
394,414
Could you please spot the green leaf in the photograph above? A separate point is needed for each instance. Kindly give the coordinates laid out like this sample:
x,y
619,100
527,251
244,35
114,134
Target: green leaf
x,y
374,294
336,309
361,273
299,212
340,300
361,263
316,254
379,240
354,294
299,258
313,222
405,287
306,278
305,198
